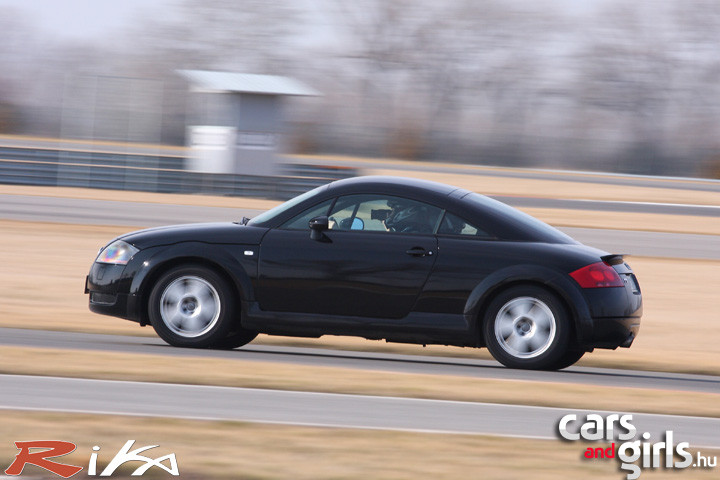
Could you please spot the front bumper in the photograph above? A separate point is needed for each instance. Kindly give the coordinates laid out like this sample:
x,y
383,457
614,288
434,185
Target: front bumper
x,y
113,305
108,287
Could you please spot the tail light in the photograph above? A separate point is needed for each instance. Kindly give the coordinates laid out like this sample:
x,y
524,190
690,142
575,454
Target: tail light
x,y
597,275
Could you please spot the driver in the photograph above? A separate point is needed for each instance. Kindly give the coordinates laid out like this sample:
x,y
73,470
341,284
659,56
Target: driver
x,y
407,217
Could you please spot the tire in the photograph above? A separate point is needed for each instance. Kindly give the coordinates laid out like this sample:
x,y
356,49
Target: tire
x,y
192,306
235,340
570,357
527,327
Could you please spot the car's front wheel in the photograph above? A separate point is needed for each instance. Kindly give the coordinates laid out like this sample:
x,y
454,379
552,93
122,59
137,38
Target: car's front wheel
x,y
192,306
527,327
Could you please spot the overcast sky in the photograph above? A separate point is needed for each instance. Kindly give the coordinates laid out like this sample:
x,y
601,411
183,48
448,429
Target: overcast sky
x,y
85,18
93,18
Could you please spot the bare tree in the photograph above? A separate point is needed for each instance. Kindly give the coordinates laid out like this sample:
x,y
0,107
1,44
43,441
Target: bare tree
x,y
648,72
253,35
418,66
491,81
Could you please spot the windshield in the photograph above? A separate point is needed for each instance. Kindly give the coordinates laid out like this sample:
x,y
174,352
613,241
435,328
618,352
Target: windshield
x,y
528,222
284,207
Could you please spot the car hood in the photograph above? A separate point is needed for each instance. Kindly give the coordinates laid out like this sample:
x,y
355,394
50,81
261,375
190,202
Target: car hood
x,y
220,233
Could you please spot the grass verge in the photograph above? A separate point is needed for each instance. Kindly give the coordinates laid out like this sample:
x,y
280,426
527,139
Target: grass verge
x,y
547,188
286,376
557,217
44,268
244,451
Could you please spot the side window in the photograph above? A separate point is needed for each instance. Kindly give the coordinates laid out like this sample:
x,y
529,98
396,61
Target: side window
x,y
383,213
300,222
454,225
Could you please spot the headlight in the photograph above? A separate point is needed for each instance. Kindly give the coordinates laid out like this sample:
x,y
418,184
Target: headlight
x,y
117,253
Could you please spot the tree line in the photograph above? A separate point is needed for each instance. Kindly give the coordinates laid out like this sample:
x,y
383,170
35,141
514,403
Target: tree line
x,y
609,85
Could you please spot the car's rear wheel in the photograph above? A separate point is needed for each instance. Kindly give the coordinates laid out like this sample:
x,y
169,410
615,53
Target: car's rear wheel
x,y
570,357
527,327
192,306
235,339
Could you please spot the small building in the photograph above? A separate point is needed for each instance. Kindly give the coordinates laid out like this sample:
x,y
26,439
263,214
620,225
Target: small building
x,y
235,120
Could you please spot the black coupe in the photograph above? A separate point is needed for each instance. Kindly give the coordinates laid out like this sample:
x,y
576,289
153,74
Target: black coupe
x,y
381,258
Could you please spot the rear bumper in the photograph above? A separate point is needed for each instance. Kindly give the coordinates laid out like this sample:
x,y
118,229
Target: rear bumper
x,y
615,312
614,332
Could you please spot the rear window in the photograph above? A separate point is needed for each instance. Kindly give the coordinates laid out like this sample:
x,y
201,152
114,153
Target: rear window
x,y
520,219
454,225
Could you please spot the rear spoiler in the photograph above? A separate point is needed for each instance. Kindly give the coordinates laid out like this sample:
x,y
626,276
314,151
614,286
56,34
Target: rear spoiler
x,y
613,259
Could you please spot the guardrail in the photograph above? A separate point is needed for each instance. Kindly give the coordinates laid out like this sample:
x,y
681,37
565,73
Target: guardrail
x,y
153,173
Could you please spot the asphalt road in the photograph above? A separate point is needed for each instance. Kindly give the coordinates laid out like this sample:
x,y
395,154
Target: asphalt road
x,y
136,214
384,362
611,206
21,392
106,212
649,244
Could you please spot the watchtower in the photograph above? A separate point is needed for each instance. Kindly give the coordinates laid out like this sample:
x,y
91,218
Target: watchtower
x,y
235,120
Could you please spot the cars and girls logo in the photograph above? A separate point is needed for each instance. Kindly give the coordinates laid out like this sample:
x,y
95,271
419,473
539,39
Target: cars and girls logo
x,y
42,453
634,455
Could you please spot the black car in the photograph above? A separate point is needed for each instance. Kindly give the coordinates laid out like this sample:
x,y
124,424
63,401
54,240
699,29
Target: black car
x,y
381,258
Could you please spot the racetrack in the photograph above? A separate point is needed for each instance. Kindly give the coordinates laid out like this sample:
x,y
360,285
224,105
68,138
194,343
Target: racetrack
x,y
63,307
385,362
108,212
320,409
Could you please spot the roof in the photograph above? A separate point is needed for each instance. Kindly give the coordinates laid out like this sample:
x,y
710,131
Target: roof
x,y
401,182
204,80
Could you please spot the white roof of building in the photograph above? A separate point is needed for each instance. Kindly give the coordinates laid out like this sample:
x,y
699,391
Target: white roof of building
x,y
207,81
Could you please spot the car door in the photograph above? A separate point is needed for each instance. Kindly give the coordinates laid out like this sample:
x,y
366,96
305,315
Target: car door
x,y
372,262
468,254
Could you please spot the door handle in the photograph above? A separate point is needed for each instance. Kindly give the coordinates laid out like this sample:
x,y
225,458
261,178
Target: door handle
x,y
419,252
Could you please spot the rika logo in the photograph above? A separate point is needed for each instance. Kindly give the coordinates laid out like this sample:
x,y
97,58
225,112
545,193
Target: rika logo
x,y
39,453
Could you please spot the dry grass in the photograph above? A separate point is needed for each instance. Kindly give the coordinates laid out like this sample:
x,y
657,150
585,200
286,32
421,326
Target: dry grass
x,y
649,222
236,450
43,275
557,217
524,187
679,325
143,197
41,287
287,376
90,145
480,169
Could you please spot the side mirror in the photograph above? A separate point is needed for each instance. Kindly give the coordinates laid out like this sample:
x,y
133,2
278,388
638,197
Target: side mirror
x,y
317,226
